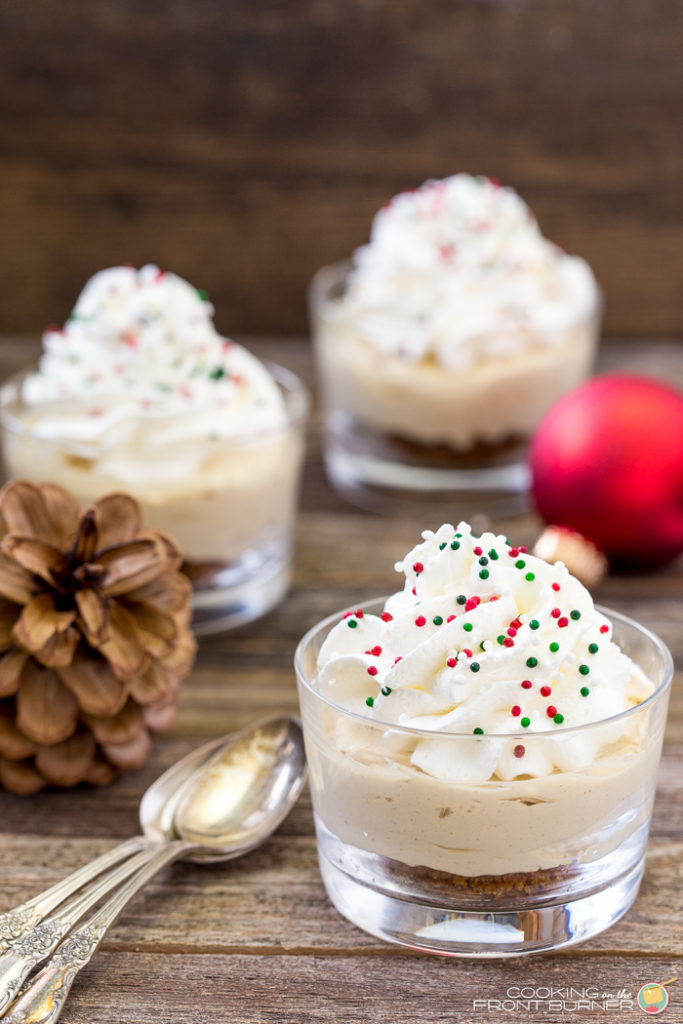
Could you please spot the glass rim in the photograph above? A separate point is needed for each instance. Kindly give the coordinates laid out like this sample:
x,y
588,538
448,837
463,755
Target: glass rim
x,y
296,396
611,614
330,275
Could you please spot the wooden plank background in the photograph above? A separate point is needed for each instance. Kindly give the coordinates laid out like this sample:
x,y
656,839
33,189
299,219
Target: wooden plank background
x,y
243,143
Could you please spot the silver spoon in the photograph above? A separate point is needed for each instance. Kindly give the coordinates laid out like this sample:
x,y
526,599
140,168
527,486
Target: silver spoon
x,y
237,799
156,819
28,935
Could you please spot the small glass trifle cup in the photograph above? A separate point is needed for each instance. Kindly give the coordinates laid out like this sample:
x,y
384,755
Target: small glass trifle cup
x,y
138,392
496,868
442,344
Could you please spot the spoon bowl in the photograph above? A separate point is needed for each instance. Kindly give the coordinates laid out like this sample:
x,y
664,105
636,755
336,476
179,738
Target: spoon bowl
x,y
242,792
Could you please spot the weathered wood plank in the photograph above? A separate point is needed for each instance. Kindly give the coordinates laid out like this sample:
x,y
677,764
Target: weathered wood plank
x,y
274,899
246,151
396,987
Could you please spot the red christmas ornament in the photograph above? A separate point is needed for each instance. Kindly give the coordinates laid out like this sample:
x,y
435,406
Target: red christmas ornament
x,y
607,461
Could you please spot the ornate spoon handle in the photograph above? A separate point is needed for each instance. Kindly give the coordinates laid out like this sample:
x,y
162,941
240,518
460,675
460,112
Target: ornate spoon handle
x,y
43,999
17,922
36,945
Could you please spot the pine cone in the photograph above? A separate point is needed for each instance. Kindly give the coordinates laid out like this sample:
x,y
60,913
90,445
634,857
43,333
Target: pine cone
x,y
94,637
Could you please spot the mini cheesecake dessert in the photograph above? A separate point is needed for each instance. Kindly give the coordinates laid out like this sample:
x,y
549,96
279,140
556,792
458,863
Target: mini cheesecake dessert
x,y
480,738
138,392
447,337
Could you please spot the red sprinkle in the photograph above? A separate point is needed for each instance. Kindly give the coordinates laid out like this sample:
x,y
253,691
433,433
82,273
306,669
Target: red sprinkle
x,y
396,660
519,750
513,552
471,603
551,711
450,618
526,684
377,651
372,671
523,549
545,691
604,629
418,567
496,597
414,592
564,621
53,329
556,613
452,662
556,586
359,613
516,710
347,615
420,620
387,617
508,642
512,631
516,624
467,651
477,551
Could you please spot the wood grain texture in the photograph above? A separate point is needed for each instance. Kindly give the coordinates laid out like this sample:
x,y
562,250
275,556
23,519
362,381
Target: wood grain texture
x,y
245,145
257,941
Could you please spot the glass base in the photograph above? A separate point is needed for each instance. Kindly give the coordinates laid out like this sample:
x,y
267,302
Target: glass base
x,y
483,933
387,475
241,593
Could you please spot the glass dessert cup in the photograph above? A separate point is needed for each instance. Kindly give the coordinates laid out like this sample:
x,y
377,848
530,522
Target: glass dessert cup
x,y
230,503
491,869
400,435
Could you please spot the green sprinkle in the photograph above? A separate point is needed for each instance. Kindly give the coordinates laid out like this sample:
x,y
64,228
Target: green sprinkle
x,y
202,295
530,576
554,646
525,723
483,560
593,648
584,691
493,554
483,574
478,731
385,691
534,624
468,627
584,670
481,645
475,666
558,719
532,662
458,535
575,615
500,639
520,564
217,373
442,546
461,599
437,620
369,701
455,544
352,623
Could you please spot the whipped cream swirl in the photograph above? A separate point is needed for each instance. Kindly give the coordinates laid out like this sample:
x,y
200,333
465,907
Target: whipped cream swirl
x,y
458,270
484,639
141,347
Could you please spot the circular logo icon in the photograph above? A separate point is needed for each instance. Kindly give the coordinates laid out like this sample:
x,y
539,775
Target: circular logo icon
x,y
653,998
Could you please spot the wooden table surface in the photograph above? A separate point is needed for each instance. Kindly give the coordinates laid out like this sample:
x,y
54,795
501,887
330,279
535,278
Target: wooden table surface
x,y
257,940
